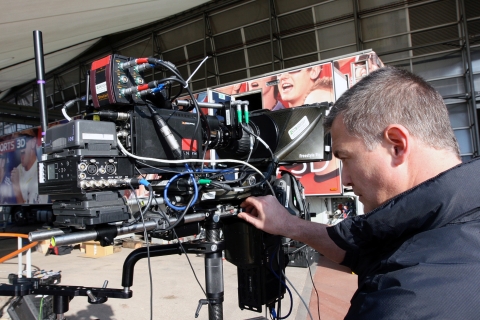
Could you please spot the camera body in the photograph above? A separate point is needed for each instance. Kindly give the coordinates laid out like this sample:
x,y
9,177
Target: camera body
x,y
90,162
136,129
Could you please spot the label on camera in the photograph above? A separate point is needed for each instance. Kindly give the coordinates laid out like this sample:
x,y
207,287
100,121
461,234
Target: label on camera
x,y
227,117
101,87
41,174
208,195
297,129
97,136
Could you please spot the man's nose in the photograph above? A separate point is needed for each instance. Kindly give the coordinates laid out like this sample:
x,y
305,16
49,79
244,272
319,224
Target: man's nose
x,y
346,179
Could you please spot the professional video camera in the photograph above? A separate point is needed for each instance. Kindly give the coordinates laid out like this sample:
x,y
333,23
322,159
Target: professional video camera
x,y
136,129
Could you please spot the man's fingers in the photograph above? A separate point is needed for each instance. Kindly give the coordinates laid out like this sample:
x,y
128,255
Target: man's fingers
x,y
252,201
248,218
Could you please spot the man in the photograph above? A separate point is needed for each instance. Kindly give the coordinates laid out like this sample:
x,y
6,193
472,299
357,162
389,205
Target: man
x,y
24,177
416,251
295,86
6,189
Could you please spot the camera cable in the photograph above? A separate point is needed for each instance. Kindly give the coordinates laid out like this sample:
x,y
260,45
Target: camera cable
x,y
145,235
283,283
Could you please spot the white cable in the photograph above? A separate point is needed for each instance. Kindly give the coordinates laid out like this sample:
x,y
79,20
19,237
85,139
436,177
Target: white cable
x,y
186,160
64,111
303,301
247,129
203,61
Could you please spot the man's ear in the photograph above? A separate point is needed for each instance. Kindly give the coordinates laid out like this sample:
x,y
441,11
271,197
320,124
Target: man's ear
x,y
397,139
315,72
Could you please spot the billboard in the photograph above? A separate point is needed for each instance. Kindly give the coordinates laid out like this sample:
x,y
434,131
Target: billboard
x,y
313,83
19,156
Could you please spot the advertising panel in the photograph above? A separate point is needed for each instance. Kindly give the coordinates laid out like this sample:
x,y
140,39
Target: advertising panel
x,y
314,83
289,89
19,156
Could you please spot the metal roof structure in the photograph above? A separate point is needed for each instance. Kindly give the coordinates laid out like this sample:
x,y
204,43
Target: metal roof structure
x,y
436,39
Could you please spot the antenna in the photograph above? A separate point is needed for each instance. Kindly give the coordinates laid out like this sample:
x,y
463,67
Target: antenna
x,y
40,70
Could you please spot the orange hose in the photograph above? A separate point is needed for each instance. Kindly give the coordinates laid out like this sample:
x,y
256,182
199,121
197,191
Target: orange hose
x,y
14,235
15,253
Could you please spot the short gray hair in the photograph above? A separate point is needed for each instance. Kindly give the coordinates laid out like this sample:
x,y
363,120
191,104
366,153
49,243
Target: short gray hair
x,y
394,96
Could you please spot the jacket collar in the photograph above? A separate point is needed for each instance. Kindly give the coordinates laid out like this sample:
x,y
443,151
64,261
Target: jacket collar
x,y
452,196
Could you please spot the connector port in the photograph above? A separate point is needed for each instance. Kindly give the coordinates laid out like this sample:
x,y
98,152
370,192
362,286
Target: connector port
x,y
82,166
92,168
110,168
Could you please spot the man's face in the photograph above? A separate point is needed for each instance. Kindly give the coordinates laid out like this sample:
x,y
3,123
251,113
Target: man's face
x,y
294,86
27,154
369,173
2,165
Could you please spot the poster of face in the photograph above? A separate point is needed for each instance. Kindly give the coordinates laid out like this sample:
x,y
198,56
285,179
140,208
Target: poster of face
x,y
313,84
19,156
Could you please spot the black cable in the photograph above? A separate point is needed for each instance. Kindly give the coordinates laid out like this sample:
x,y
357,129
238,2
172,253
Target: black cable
x,y
160,170
277,249
147,206
189,262
168,65
162,213
148,249
200,117
182,215
143,175
315,288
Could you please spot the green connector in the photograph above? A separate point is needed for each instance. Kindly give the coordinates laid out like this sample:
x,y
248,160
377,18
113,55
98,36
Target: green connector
x,y
239,113
204,181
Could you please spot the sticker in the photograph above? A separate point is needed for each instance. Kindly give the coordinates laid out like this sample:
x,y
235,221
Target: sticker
x,y
221,96
297,129
41,173
227,116
101,87
97,136
287,199
208,195
187,144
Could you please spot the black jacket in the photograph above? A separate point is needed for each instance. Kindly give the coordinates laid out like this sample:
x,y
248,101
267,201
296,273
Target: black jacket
x,y
418,255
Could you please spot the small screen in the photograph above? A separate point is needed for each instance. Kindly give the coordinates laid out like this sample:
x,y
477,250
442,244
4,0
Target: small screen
x,y
51,171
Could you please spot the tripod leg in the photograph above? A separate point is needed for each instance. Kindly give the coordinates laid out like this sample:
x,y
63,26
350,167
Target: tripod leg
x,y
214,273
60,306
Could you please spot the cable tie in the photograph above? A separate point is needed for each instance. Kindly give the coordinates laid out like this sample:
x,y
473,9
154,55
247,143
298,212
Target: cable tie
x,y
203,61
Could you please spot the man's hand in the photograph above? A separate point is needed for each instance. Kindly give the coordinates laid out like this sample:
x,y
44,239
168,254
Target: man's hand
x,y
266,214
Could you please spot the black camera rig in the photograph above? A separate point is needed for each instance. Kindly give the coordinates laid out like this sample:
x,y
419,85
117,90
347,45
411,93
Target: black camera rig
x,y
135,129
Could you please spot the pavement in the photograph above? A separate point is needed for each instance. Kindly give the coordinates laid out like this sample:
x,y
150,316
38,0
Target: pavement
x,y
175,292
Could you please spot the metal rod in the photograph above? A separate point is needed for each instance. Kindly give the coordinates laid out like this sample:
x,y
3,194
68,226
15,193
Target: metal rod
x,y
20,255
40,71
187,103
189,218
82,236
134,256
470,80
40,235
29,263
